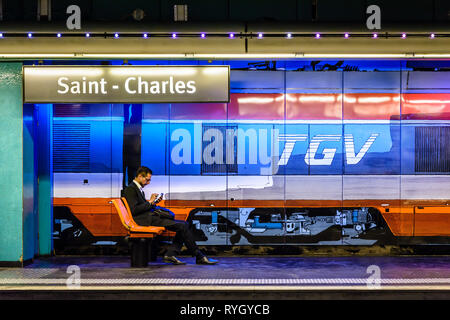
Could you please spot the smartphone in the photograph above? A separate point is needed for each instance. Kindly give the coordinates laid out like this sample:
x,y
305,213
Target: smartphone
x,y
159,198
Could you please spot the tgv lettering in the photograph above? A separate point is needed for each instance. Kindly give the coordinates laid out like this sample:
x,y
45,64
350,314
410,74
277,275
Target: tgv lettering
x,y
353,158
251,146
328,153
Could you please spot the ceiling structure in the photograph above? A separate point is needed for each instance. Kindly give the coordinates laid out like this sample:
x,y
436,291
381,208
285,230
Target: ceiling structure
x,y
225,29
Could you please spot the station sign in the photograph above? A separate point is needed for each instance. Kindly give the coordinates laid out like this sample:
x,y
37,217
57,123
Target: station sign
x,y
126,84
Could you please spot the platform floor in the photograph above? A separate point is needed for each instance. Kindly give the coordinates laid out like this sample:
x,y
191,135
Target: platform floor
x,y
262,277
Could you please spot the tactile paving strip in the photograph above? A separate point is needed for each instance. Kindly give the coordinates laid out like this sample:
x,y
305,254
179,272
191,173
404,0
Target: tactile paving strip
x,y
193,282
26,273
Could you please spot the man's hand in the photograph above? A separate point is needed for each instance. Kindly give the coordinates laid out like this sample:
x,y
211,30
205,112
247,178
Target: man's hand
x,y
153,197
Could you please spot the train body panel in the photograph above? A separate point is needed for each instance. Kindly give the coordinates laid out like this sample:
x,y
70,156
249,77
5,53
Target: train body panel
x,y
294,157
308,192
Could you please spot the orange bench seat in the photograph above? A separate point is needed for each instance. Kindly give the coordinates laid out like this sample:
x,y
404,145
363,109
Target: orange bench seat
x,y
134,230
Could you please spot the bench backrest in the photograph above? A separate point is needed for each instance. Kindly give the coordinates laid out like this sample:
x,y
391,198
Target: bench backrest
x,y
125,202
124,213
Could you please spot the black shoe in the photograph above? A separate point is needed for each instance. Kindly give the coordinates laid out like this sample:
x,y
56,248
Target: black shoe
x,y
173,260
205,260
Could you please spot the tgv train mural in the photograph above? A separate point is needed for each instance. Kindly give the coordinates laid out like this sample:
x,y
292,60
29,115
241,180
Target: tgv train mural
x,y
293,158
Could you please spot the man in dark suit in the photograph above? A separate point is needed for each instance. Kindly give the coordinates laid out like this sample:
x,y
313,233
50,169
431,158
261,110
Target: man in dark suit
x,y
146,213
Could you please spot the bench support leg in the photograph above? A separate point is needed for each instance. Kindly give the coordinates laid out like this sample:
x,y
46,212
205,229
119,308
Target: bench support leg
x,y
153,249
139,253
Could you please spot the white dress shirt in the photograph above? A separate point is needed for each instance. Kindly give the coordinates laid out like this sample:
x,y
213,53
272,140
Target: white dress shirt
x,y
139,186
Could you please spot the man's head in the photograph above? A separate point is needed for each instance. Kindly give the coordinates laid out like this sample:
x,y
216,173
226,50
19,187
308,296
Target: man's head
x,y
143,176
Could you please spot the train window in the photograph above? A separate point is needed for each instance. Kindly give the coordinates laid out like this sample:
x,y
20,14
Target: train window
x,y
432,149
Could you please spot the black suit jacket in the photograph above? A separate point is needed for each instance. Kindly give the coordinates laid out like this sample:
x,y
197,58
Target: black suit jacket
x,y
136,201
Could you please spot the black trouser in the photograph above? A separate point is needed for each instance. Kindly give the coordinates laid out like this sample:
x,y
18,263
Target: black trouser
x,y
183,233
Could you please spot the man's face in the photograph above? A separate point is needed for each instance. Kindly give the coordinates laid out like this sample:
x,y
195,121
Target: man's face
x,y
144,180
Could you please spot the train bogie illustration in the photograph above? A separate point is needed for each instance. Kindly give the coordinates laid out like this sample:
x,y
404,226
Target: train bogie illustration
x,y
246,226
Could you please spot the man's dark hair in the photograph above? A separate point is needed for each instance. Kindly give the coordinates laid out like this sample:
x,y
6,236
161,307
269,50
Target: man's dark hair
x,y
143,171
